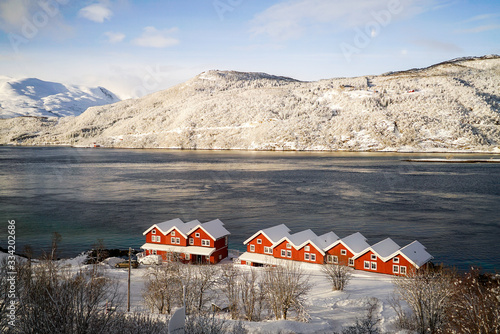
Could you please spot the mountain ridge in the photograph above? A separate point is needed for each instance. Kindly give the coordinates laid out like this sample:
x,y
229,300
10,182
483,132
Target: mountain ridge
x,y
451,106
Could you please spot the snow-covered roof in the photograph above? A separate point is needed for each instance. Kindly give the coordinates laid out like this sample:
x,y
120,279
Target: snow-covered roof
x,y
302,237
355,242
415,253
215,228
326,239
273,234
383,249
196,250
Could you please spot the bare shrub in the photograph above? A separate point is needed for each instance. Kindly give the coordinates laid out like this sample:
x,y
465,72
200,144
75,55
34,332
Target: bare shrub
x,y
229,284
338,275
286,288
475,304
369,323
428,294
163,288
252,295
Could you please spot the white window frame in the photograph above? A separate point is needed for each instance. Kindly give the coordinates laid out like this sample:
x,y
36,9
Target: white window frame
x,y
226,239
343,252
351,262
252,248
402,270
306,256
373,266
173,233
395,260
187,256
283,253
313,257
178,241
329,258
288,245
373,257
154,252
307,248
153,238
191,241
366,265
172,240
268,250
395,269
259,241
205,242
197,235
220,256
153,232
335,259
288,253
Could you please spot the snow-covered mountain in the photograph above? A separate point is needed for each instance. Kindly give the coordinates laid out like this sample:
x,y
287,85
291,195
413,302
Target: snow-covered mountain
x,y
35,97
452,106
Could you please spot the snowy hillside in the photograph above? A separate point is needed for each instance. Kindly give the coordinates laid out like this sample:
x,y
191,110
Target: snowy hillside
x,y
34,97
452,106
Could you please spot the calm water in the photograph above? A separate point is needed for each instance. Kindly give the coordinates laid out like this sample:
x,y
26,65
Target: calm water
x,y
114,195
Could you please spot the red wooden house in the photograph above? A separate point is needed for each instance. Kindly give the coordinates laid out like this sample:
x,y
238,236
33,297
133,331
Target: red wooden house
x,y
260,245
188,242
344,250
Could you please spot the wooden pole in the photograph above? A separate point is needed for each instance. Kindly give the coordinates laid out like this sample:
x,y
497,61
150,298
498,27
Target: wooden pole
x,y
129,269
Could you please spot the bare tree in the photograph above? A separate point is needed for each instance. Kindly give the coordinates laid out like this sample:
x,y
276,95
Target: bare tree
x,y
369,323
163,287
428,293
229,283
252,295
475,304
338,275
286,289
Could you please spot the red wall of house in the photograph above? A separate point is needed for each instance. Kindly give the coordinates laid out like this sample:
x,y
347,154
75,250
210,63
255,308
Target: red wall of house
x,y
343,259
203,235
312,250
168,237
277,251
259,248
382,267
158,233
220,243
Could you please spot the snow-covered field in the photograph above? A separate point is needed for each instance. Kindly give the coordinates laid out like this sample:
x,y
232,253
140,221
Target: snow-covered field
x,y
329,310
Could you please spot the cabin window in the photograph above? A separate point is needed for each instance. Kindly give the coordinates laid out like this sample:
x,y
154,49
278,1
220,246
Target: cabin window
x,y
173,232
402,270
252,248
395,260
154,251
197,235
374,265
191,241
373,257
288,245
395,269
187,256
153,232
153,238
343,252
259,241
268,250
329,259
351,261
306,256
288,253
283,253
220,256
313,257
307,248
178,241
226,240
172,240
367,265
205,242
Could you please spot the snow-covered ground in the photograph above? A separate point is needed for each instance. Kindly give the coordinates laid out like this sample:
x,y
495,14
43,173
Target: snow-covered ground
x,y
329,310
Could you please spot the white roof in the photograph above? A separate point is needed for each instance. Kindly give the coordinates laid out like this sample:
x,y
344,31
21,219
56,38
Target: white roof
x,y
356,243
415,253
299,238
385,248
197,250
273,234
215,228
326,239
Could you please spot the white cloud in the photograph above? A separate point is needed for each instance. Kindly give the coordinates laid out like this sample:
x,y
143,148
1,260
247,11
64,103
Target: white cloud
x,y
439,46
291,18
154,38
479,29
114,37
12,12
97,12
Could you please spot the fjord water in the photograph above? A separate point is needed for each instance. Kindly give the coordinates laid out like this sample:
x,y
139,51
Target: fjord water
x,y
114,195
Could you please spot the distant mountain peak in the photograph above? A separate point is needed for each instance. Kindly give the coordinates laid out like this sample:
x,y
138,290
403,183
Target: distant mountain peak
x,y
237,76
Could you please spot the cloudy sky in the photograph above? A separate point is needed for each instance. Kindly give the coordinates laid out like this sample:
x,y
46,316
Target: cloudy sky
x,y
136,47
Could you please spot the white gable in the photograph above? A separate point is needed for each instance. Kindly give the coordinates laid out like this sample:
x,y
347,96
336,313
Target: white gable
x,y
273,234
355,242
215,228
165,226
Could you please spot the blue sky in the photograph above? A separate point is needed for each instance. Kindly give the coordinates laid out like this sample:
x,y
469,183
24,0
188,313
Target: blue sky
x,y
137,47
